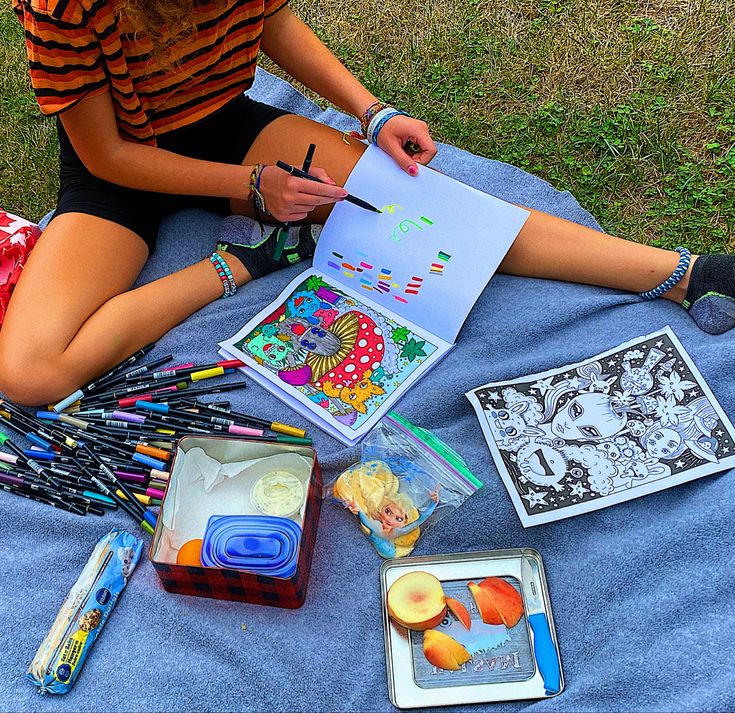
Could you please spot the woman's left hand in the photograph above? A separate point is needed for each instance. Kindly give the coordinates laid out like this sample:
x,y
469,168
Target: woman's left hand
x,y
399,131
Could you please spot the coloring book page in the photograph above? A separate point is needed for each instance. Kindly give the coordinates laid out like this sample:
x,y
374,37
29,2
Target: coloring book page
x,y
335,358
429,254
631,421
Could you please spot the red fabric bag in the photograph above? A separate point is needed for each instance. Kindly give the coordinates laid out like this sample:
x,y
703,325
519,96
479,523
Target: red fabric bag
x,y
17,238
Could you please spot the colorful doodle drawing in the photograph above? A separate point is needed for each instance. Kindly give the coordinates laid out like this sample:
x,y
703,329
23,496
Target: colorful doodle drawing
x,y
392,208
406,226
336,351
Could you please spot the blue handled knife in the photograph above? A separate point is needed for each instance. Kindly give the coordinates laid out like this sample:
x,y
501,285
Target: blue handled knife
x,y
544,650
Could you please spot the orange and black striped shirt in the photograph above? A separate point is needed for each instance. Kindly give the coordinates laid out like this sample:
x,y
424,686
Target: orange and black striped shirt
x,y
77,48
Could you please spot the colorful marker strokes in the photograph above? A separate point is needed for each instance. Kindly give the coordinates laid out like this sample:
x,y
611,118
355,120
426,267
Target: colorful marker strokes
x,y
406,226
392,208
437,268
413,287
384,282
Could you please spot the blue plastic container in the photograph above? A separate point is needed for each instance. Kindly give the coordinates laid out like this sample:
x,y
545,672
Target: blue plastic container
x,y
257,543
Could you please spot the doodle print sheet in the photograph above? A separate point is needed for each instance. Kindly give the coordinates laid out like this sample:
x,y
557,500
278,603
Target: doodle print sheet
x,y
338,356
632,421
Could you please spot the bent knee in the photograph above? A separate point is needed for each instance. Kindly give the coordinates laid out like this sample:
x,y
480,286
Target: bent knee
x,y
31,380
27,392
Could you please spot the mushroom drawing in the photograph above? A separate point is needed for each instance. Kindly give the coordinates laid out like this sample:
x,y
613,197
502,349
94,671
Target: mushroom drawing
x,y
361,349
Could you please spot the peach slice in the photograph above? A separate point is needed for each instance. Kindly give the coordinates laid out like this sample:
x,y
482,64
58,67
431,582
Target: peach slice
x,y
416,601
498,601
460,611
443,651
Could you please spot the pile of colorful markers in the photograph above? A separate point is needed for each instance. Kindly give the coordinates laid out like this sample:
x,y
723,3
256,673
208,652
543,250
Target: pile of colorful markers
x,y
110,444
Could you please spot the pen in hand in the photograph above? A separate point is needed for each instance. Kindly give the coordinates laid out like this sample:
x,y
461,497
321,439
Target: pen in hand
x,y
283,232
303,174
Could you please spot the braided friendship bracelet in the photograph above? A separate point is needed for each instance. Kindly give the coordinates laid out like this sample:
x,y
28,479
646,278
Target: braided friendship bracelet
x,y
225,274
257,197
681,269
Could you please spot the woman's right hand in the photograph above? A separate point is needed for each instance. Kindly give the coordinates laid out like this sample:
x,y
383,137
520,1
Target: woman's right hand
x,y
291,199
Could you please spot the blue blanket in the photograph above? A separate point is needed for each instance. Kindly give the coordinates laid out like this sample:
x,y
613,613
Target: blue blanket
x,y
641,592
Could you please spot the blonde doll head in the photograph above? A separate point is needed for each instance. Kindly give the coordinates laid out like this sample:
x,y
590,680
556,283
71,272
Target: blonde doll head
x,y
395,511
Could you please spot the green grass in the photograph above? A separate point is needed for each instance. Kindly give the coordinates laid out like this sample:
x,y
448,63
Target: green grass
x,y
630,105
28,149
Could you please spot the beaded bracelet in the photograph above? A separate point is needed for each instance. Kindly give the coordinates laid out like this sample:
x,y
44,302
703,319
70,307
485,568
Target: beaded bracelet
x,y
225,274
675,278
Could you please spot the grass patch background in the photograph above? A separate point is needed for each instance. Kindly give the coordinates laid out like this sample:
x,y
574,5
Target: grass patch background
x,y
629,104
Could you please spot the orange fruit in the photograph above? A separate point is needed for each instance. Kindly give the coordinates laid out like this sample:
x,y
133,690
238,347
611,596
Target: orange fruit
x,y
190,553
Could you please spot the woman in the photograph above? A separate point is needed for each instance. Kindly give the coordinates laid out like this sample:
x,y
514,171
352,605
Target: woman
x,y
151,118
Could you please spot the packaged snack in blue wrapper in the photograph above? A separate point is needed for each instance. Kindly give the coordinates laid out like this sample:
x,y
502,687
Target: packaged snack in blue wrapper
x,y
60,657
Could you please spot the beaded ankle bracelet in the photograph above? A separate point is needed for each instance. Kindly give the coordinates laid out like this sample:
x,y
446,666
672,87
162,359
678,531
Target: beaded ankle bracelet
x,y
225,274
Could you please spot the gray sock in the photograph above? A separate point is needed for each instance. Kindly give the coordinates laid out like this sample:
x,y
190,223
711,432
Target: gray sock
x,y
242,237
710,297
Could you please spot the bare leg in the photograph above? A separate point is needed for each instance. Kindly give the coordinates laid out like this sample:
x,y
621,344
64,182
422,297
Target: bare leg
x,y
73,315
558,249
547,246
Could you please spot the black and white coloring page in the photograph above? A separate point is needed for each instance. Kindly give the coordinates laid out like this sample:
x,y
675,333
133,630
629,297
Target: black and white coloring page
x,y
631,421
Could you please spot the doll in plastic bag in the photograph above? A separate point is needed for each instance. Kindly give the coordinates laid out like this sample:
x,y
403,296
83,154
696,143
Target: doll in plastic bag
x,y
407,480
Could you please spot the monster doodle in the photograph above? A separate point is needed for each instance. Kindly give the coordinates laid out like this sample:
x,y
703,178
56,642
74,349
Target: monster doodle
x,y
606,426
340,354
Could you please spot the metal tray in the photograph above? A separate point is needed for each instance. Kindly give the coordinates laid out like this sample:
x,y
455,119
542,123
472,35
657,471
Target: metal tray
x,y
503,666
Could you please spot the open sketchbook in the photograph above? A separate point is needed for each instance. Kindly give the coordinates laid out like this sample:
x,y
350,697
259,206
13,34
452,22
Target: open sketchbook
x,y
385,298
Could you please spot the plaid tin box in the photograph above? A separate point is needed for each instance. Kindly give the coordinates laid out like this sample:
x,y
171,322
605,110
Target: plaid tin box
x,y
235,584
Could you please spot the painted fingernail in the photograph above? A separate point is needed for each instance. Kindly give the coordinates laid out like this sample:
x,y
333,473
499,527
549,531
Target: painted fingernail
x,y
345,194
413,170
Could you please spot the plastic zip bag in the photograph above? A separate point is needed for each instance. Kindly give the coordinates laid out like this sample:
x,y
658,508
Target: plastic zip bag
x,y
406,481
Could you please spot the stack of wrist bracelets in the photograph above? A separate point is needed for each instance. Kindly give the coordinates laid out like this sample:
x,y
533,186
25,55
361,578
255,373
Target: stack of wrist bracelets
x,y
375,118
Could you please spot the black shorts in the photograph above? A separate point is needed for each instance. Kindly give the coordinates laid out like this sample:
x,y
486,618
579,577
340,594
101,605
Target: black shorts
x,y
225,136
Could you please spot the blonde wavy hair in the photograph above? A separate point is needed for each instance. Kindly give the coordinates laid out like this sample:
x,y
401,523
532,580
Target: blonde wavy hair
x,y
166,23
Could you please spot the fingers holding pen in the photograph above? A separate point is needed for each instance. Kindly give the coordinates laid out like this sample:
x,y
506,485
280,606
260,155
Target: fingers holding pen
x,y
326,192
290,198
